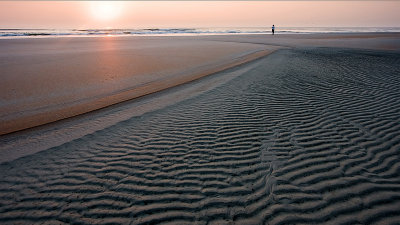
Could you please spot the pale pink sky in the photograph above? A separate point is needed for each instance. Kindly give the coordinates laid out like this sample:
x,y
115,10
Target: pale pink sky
x,y
133,14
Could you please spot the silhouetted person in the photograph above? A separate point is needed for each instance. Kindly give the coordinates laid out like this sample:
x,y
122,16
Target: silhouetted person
x,y
273,29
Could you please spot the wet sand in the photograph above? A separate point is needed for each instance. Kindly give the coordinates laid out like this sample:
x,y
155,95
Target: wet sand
x,y
45,80
373,41
304,135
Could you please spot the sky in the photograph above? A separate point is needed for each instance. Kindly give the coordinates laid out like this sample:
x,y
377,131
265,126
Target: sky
x,y
184,14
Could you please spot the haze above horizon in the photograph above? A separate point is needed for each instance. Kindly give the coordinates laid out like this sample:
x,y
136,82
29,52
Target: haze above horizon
x,y
141,14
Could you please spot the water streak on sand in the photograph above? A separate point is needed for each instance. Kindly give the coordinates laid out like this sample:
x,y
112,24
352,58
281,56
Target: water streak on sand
x,y
305,137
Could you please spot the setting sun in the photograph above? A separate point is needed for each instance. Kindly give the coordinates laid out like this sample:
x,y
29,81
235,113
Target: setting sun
x,y
105,10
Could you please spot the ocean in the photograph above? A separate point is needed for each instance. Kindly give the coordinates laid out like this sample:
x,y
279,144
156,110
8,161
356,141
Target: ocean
x,y
25,33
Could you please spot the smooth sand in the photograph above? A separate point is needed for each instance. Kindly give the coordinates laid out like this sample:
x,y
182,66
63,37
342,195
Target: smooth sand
x,y
44,80
373,41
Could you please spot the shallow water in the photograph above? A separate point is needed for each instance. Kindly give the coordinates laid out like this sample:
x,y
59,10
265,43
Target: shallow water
x,y
46,33
307,136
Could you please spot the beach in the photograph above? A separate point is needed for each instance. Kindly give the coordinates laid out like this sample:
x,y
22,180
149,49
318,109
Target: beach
x,y
219,129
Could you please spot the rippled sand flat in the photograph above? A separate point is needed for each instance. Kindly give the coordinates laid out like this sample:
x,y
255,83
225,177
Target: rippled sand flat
x,y
306,136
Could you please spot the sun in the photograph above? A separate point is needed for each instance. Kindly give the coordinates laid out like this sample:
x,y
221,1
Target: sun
x,y
105,10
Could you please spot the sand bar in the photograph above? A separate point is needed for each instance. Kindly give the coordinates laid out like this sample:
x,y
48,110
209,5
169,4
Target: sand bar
x,y
44,80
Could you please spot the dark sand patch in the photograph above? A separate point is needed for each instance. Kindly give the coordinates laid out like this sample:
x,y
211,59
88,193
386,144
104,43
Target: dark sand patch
x,y
307,136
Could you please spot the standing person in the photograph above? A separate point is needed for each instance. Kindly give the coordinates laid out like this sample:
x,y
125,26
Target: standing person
x,y
273,29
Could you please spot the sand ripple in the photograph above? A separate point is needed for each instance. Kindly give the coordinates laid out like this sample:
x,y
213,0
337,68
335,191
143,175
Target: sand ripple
x,y
308,136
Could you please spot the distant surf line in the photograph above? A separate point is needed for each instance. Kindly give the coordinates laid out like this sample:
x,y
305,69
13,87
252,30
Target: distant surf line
x,y
30,33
